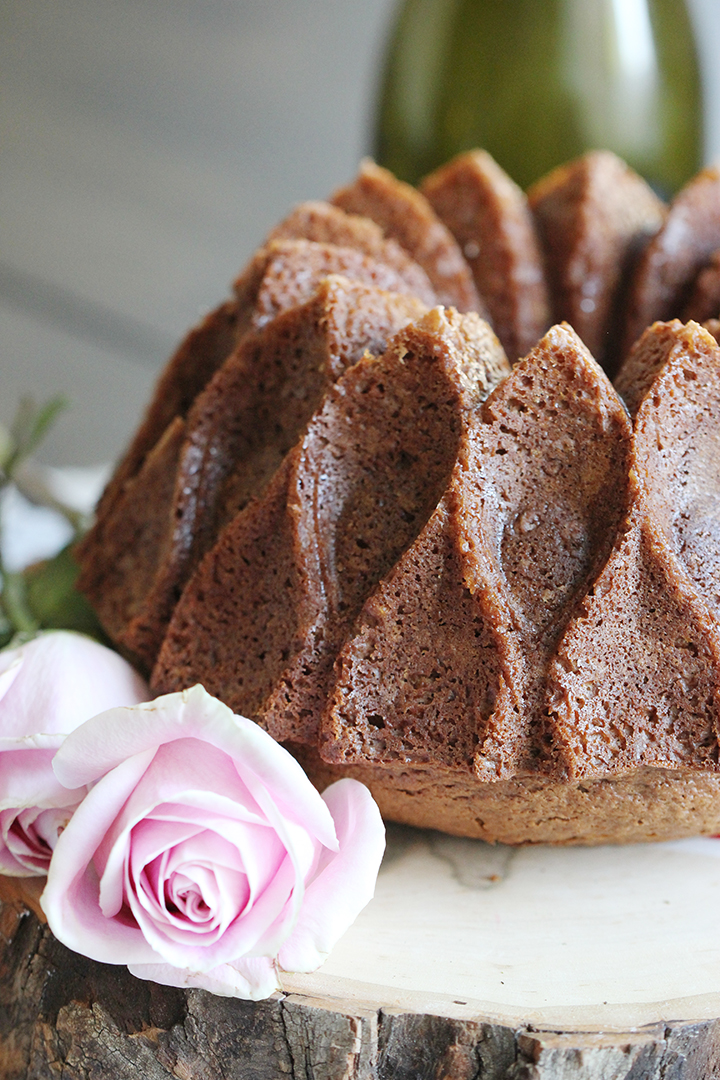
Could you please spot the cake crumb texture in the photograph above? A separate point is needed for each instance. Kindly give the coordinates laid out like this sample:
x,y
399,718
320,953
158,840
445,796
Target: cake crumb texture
x,y
380,506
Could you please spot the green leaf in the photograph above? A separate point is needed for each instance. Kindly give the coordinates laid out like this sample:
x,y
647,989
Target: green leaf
x,y
7,447
6,628
55,602
29,428
42,597
15,603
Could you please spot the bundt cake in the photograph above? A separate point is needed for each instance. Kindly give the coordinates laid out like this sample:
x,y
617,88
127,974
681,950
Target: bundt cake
x,y
489,589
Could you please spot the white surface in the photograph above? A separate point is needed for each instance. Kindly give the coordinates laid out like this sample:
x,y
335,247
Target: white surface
x,y
610,936
30,532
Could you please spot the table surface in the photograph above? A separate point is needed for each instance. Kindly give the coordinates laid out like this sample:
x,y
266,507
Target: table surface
x,y
578,938
586,940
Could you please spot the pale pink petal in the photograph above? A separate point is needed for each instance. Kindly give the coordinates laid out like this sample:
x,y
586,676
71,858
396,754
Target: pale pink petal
x,y
252,979
64,679
151,838
250,934
71,896
76,920
27,839
27,779
118,734
111,867
109,857
112,737
47,687
10,664
256,846
49,824
189,765
258,852
189,762
344,884
203,850
199,862
206,897
37,741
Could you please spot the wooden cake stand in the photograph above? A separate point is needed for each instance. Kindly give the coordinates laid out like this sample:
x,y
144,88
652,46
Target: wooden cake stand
x,y
472,963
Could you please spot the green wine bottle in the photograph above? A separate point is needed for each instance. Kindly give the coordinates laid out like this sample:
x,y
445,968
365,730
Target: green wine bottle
x,y
538,82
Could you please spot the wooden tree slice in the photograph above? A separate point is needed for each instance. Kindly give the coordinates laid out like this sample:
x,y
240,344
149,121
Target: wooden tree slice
x,y
471,962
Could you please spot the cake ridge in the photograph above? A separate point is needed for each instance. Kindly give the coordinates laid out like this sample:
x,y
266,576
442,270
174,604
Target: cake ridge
x,y
405,215
493,595
490,218
234,438
671,261
384,505
610,721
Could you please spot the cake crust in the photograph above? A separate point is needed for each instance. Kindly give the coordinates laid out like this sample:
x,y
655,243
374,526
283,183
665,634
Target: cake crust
x,y
493,593
671,261
290,573
489,216
594,216
649,804
405,215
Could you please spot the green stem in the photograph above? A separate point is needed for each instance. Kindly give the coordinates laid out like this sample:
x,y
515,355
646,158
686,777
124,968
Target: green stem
x,y
17,609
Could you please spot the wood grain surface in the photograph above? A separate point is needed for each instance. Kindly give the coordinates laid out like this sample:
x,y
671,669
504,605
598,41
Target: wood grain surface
x,y
63,1015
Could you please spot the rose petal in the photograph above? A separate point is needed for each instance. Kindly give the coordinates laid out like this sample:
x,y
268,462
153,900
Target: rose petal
x,y
344,884
114,736
260,931
47,687
61,680
27,779
77,921
206,849
251,979
109,858
186,765
71,896
183,762
254,850
112,872
199,860
177,769
10,663
27,839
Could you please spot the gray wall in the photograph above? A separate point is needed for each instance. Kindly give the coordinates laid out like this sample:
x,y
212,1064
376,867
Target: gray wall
x,y
145,148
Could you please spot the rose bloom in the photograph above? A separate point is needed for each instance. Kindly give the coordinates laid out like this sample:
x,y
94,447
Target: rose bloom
x,y
48,687
202,855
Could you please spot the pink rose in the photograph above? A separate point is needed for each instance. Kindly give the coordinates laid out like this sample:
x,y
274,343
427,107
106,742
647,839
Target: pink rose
x,y
48,687
203,856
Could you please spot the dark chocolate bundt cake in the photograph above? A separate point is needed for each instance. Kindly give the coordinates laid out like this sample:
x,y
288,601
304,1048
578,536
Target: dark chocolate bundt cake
x,y
491,592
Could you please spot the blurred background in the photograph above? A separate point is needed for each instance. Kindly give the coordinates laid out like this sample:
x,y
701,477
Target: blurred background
x,y
146,147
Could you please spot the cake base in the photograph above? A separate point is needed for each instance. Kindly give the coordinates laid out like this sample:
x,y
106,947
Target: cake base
x,y
648,804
